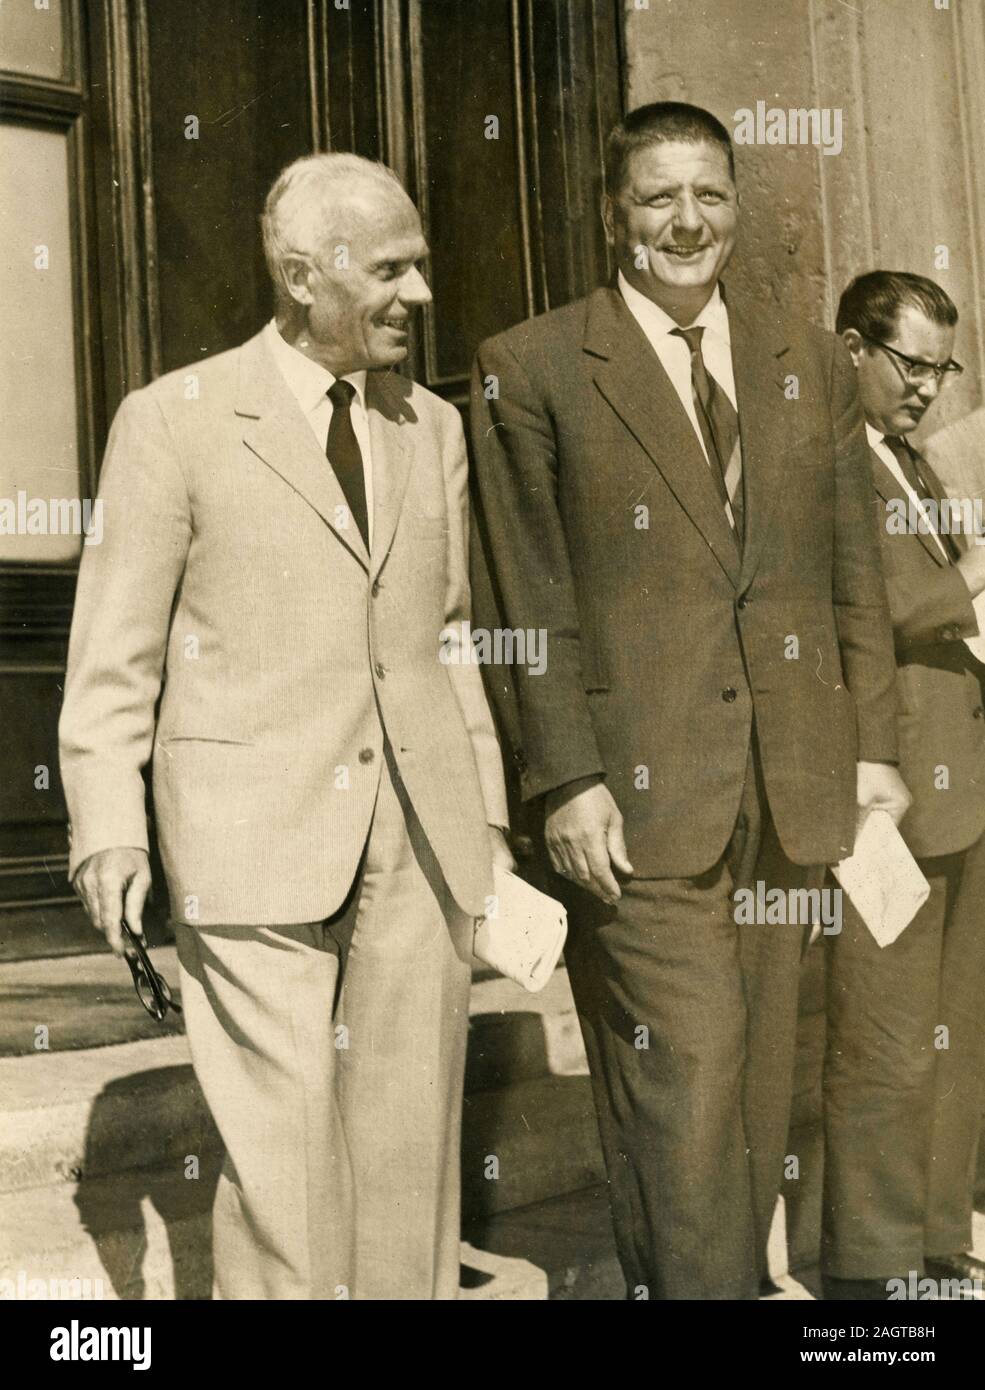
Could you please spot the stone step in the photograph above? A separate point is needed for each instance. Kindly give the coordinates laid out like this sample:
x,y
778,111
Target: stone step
x,y
145,1235
528,1141
135,1105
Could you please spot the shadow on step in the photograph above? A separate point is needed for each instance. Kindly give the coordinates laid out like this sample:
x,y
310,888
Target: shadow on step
x,y
529,1135
157,1122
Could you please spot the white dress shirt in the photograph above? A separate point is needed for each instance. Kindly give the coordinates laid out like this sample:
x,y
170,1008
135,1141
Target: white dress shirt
x,y
878,445
674,353
309,383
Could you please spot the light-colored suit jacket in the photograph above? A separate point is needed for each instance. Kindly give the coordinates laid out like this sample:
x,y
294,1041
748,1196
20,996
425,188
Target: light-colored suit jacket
x,y
232,588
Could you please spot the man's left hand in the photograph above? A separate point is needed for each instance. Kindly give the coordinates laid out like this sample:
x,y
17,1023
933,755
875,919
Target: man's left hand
x,y
881,788
502,856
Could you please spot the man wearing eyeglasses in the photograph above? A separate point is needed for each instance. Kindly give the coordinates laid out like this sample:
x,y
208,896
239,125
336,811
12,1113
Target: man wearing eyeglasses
x,y
903,1080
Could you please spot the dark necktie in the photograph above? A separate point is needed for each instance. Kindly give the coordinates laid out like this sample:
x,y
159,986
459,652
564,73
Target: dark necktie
x,y
907,458
719,425
342,448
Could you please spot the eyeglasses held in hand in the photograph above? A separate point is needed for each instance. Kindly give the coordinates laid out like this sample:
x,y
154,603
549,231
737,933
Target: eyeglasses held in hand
x,y
152,988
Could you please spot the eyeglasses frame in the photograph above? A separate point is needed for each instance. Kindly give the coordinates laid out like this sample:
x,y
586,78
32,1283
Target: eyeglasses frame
x,y
949,370
141,966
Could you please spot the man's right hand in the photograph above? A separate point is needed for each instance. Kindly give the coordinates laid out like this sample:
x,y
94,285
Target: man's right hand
x,y
114,884
583,831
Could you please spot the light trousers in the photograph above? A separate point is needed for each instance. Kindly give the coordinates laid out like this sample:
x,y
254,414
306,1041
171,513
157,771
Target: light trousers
x,y
331,1055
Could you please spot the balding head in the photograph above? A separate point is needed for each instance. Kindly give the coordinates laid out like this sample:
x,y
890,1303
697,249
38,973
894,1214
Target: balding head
x,y
321,200
345,248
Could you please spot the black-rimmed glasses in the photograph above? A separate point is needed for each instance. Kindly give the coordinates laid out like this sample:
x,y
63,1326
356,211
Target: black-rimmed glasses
x,y
152,988
918,372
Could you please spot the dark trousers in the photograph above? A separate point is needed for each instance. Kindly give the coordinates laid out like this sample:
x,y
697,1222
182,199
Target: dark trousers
x,y
902,1111
690,1023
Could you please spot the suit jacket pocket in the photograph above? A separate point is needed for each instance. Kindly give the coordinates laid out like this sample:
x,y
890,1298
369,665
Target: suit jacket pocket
x,y
205,738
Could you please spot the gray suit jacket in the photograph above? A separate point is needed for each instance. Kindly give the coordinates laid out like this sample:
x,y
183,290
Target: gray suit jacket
x,y
600,523
941,720
230,585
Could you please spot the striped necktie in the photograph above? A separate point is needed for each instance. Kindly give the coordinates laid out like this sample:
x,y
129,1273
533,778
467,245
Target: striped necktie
x,y
719,425
908,460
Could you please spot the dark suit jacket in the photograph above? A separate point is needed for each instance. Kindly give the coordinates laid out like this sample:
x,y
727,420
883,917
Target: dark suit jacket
x,y
941,717
661,643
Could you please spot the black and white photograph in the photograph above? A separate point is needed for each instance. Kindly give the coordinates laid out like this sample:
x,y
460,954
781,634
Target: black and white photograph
x,y
492,660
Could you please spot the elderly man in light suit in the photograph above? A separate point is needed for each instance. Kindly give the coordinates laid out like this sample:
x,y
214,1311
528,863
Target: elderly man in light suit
x,y
285,553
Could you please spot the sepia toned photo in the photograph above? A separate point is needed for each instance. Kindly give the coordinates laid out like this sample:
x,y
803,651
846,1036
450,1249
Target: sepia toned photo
x,y
492,692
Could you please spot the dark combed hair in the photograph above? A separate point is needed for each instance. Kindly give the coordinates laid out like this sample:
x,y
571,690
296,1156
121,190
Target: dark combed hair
x,y
656,124
872,302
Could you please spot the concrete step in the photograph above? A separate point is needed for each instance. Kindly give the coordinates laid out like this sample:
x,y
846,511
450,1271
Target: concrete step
x,y
146,1235
528,1141
98,1111
94,1142
136,1105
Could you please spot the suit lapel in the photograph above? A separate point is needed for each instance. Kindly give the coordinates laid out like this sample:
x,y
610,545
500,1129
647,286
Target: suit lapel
x,y
392,457
632,379
757,346
890,489
275,429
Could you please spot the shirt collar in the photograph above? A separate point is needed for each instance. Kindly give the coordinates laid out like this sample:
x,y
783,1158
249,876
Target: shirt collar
x,y
713,316
308,380
873,435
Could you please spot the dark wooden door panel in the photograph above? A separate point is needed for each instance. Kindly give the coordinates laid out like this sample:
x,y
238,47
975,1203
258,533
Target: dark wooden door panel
x,y
240,70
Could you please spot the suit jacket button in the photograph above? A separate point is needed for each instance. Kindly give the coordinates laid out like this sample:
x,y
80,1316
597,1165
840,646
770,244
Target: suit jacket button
x,y
743,602
380,671
519,759
366,755
980,712
729,694
377,586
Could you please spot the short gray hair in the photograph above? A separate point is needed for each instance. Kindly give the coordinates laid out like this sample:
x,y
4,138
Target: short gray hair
x,y
301,200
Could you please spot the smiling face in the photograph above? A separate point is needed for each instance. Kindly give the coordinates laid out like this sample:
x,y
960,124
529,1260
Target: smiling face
x,y
890,403
673,223
359,289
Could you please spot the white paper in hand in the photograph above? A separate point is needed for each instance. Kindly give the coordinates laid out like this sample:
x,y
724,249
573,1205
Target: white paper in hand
x,y
882,879
976,645
523,934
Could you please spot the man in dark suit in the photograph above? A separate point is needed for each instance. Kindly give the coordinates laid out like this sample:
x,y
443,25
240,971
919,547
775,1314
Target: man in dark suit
x,y
904,1070
673,486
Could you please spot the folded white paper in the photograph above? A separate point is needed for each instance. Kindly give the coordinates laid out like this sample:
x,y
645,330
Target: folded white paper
x,y
882,879
522,933
976,645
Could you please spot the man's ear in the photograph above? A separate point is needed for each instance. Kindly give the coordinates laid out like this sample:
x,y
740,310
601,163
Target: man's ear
x,y
854,342
608,218
295,272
